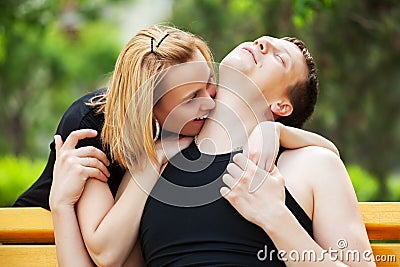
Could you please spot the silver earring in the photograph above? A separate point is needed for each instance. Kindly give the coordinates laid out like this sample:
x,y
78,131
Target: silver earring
x,y
157,130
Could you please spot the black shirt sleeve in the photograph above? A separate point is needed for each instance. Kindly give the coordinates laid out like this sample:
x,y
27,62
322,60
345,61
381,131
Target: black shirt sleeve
x,y
78,116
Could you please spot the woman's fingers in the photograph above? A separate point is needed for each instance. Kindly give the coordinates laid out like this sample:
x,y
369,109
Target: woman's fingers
x,y
94,163
253,147
263,144
168,147
184,142
268,157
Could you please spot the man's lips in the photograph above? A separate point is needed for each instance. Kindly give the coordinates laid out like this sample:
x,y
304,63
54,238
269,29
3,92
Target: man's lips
x,y
251,51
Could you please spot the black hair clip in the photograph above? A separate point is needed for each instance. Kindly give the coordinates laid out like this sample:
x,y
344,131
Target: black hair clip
x,y
151,45
158,44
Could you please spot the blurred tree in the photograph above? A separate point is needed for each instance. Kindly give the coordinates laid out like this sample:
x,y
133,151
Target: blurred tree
x,y
53,51
357,47
360,92
226,23
49,52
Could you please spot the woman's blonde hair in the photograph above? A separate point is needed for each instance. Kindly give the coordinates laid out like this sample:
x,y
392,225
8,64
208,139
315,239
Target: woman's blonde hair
x,y
129,136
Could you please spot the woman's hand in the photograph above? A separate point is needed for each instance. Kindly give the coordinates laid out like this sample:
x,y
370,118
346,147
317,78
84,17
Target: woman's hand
x,y
263,144
255,193
266,138
74,166
168,147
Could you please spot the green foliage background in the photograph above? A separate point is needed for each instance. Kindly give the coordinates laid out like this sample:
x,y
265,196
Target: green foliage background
x,y
48,60
16,174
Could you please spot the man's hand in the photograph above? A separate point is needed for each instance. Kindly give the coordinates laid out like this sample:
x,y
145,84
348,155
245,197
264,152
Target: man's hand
x,y
255,193
74,166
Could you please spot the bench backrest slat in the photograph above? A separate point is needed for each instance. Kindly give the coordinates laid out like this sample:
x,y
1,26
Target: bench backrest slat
x,y
26,225
23,231
28,255
382,220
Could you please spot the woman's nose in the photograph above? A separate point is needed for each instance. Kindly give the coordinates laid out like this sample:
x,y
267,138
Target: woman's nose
x,y
207,101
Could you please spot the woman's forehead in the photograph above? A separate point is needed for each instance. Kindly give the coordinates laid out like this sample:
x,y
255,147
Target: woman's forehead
x,y
185,74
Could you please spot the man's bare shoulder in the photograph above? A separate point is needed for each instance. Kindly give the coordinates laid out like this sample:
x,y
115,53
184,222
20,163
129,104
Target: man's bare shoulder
x,y
309,155
316,172
312,161
319,167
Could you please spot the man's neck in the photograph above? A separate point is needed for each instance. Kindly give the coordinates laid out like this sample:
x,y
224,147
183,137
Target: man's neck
x,y
240,106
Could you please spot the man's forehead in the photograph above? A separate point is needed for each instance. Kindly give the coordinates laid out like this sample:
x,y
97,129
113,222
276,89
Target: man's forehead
x,y
273,39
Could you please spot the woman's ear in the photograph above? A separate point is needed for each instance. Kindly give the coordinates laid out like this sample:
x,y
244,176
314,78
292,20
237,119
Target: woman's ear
x,y
281,109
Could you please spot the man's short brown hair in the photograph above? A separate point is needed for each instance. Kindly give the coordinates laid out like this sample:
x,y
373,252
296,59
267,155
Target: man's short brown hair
x,y
303,95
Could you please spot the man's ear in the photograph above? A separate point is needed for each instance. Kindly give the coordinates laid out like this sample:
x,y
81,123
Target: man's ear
x,y
281,108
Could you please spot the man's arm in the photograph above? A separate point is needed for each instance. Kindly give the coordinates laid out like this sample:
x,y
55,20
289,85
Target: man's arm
x,y
292,137
335,213
337,220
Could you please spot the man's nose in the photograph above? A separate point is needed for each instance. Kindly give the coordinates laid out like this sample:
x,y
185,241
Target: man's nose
x,y
263,44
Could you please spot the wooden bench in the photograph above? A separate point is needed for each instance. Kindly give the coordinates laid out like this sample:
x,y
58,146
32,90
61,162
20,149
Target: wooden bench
x,y
26,235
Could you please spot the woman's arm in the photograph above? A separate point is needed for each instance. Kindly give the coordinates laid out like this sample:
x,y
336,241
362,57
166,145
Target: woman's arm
x,y
292,138
267,136
72,168
110,229
71,250
135,258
